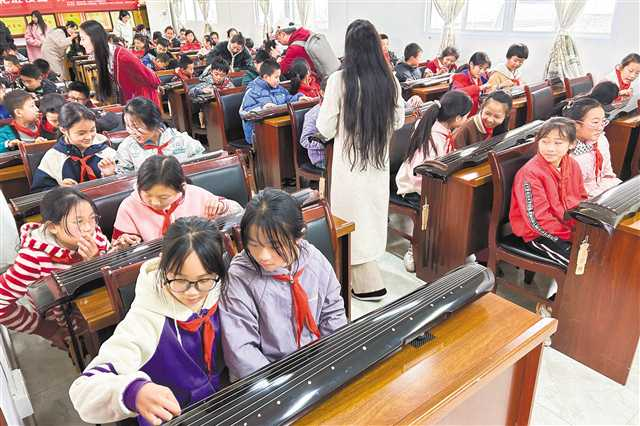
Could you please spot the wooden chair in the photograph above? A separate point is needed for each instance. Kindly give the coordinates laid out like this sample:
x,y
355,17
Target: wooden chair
x,y
120,285
578,86
116,137
303,166
540,101
503,245
31,154
228,119
194,126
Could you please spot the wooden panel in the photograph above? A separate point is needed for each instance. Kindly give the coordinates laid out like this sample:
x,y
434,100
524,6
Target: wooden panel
x,y
16,24
623,136
274,151
72,16
476,354
50,20
102,17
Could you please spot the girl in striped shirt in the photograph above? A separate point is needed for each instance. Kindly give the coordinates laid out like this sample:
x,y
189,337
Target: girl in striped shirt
x,y
68,234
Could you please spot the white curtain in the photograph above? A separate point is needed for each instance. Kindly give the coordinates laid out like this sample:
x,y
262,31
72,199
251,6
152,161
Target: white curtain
x,y
305,8
177,14
204,8
448,10
265,7
564,60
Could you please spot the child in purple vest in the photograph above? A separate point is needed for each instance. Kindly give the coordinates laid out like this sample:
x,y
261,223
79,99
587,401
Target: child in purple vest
x,y
165,354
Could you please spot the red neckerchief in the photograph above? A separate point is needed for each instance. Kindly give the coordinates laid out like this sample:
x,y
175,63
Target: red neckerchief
x,y
300,301
451,143
85,169
208,334
25,130
67,258
487,130
621,84
157,147
563,177
139,53
182,75
48,127
167,213
599,160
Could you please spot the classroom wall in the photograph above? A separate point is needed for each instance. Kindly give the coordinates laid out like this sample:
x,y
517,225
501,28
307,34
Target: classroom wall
x,y
403,21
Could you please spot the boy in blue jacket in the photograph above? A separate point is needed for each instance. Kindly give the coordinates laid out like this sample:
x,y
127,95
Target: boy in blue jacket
x,y
264,92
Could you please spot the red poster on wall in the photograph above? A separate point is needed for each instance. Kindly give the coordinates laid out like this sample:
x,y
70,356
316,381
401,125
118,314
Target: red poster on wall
x,y
25,7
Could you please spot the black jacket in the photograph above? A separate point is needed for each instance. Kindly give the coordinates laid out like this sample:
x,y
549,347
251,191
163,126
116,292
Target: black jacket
x,y
242,61
406,72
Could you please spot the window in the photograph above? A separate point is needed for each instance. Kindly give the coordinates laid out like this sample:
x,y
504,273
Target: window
x,y
320,17
436,22
485,15
535,16
191,11
596,17
289,9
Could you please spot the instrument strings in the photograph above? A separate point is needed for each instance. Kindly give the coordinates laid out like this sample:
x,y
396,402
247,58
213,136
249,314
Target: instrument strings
x,y
364,331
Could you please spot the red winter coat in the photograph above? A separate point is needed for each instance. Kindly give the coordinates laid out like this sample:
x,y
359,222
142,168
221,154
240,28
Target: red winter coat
x,y
296,52
434,66
540,197
463,81
133,78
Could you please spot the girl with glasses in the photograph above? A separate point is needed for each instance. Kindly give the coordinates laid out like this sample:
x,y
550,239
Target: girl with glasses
x,y
166,353
592,147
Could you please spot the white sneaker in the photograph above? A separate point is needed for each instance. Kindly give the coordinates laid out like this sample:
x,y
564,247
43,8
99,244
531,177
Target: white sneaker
x,y
553,289
409,263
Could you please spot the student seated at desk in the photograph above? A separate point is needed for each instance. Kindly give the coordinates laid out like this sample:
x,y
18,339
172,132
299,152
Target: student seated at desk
x,y
142,50
170,36
206,47
162,195
472,78
214,77
409,69
544,189
46,70
191,42
444,63
164,61
234,52
11,71
149,136
625,76
25,126
106,121
492,120
166,353
11,49
68,233
50,106
282,292
80,154
302,79
160,46
32,81
432,138
264,92
252,73
315,149
592,147
185,69
507,74
389,56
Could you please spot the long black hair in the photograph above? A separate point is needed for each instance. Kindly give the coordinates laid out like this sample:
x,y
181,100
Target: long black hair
x,y
279,216
297,72
98,37
452,104
370,96
59,202
40,21
146,111
577,108
145,40
161,170
192,234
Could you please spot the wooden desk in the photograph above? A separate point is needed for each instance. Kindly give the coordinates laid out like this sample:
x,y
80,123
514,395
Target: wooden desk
x,y
459,214
480,369
518,116
623,134
178,109
598,313
214,130
97,310
13,181
274,152
430,93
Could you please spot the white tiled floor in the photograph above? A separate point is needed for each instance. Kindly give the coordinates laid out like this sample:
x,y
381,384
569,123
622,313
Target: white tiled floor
x,y
568,393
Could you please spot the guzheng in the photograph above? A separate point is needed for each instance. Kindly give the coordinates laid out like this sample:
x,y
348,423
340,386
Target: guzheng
x,y
11,158
60,287
259,115
417,111
28,204
282,391
608,209
427,81
474,154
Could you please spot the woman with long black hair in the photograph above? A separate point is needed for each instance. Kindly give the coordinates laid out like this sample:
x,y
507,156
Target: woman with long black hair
x,y
361,108
119,65
35,35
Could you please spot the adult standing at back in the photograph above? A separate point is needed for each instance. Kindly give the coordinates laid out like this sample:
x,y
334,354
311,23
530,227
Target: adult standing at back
x,y
35,35
234,52
362,106
123,27
55,46
117,64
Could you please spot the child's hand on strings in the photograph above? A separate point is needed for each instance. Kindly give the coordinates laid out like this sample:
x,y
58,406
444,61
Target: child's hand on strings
x,y
156,403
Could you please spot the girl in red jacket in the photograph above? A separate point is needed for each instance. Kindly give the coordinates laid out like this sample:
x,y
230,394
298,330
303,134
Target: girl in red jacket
x,y
545,188
473,79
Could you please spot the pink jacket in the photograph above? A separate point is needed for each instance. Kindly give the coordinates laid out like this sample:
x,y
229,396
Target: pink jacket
x,y
136,218
584,153
405,180
34,38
